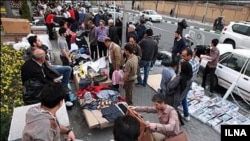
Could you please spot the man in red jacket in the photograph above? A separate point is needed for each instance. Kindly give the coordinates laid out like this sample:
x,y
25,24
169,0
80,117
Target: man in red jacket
x,y
50,24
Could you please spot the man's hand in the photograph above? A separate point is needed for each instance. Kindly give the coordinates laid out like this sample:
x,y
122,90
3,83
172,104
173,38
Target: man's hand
x,y
71,136
132,107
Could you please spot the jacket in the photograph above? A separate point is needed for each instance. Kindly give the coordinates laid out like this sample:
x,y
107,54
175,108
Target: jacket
x,y
40,125
149,49
113,34
115,55
92,37
31,69
177,90
169,121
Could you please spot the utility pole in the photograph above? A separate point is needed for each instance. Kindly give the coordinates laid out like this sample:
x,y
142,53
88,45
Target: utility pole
x,y
127,7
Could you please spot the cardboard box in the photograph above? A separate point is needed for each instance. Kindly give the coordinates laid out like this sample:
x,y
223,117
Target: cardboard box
x,y
16,26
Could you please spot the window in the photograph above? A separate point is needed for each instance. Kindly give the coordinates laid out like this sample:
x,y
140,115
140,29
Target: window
x,y
247,72
234,62
224,55
241,29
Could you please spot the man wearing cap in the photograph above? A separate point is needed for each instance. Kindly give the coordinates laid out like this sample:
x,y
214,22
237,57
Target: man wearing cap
x,y
113,33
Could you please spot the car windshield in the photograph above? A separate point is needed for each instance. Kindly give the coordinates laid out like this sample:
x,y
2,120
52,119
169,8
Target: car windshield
x,y
152,13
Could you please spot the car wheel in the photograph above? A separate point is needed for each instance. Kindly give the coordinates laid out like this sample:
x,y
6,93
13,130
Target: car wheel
x,y
230,42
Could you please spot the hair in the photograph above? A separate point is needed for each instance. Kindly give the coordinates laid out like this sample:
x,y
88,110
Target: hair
x,y
107,39
132,27
62,30
189,51
149,32
52,94
159,98
215,42
142,21
32,39
126,128
102,21
178,32
37,53
173,64
133,37
129,48
61,23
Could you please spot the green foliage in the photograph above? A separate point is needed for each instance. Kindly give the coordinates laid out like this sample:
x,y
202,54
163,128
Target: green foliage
x,y
10,86
25,10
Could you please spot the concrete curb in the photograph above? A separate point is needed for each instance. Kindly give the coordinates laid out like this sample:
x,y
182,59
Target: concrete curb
x,y
194,27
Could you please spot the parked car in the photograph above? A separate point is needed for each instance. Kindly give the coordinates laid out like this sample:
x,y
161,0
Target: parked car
x,y
233,66
151,15
94,10
237,34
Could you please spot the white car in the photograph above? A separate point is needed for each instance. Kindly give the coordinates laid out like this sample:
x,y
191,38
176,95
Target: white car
x,y
94,10
237,34
151,15
233,66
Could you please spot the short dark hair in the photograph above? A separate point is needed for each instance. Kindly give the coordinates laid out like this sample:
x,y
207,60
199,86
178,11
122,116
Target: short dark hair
x,y
215,42
61,23
173,64
149,32
126,128
159,98
129,48
52,94
32,39
132,37
189,51
178,32
62,30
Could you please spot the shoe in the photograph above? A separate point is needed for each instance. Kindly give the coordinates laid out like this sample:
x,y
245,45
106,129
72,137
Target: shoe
x,y
151,69
186,118
138,84
211,93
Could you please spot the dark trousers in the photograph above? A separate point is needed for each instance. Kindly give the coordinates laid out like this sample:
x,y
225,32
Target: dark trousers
x,y
211,72
50,30
94,54
102,49
65,61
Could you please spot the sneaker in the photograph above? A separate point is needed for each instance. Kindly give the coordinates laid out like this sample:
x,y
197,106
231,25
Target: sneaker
x,y
186,118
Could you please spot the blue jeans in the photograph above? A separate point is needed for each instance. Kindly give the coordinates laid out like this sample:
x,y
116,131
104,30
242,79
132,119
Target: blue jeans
x,y
185,106
146,66
65,71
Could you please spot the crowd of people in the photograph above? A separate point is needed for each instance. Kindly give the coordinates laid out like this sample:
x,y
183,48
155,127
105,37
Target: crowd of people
x,y
49,84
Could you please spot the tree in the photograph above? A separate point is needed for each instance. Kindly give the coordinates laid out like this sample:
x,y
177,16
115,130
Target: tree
x,y
25,11
156,4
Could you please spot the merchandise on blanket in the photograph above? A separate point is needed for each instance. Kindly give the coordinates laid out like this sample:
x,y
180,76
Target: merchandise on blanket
x,y
84,83
103,103
109,94
92,89
114,111
79,59
211,112
240,119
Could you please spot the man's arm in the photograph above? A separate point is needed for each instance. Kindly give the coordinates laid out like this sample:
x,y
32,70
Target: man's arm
x,y
69,132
